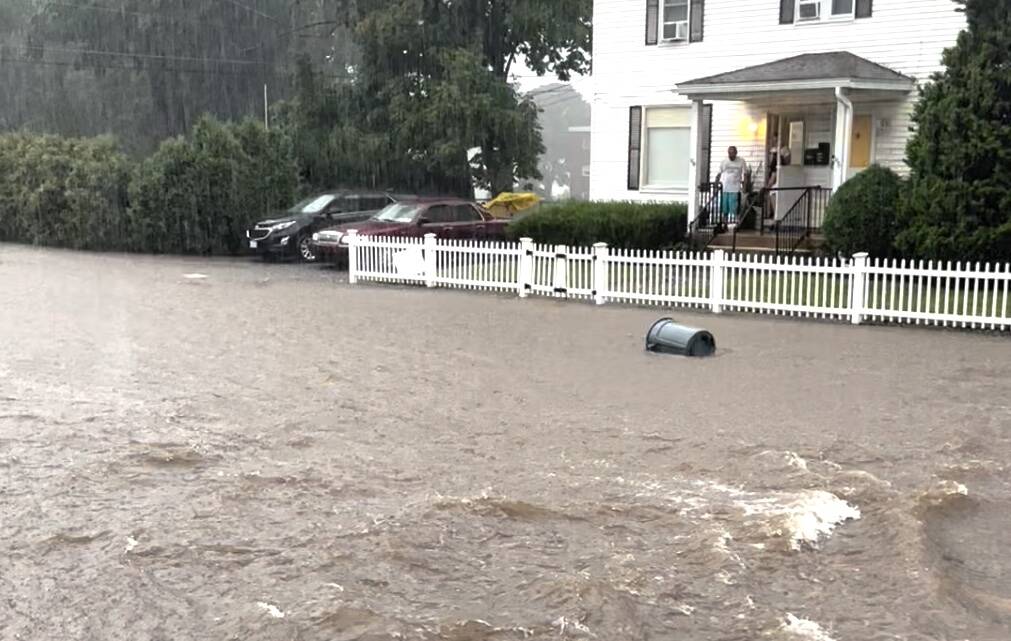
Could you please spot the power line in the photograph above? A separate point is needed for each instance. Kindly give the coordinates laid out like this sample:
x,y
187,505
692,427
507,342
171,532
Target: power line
x,y
125,12
149,56
78,65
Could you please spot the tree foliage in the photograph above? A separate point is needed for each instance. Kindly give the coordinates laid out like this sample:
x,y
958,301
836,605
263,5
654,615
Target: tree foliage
x,y
432,84
958,205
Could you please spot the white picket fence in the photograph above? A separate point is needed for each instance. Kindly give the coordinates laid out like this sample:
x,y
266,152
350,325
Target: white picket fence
x,y
857,290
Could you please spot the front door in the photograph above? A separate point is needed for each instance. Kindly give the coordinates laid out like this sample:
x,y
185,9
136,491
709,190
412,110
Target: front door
x,y
860,143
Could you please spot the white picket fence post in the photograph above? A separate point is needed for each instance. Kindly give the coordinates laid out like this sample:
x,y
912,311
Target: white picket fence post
x,y
525,272
560,283
717,278
431,264
601,253
858,288
353,239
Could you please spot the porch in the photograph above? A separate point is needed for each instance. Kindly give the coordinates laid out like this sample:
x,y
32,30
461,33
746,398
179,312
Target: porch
x,y
806,125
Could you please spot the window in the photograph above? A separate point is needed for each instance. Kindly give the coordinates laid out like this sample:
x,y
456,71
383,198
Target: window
x,y
842,8
666,139
808,10
439,214
675,20
465,214
374,203
799,11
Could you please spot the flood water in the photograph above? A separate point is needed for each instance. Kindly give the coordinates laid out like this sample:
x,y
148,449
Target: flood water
x,y
199,449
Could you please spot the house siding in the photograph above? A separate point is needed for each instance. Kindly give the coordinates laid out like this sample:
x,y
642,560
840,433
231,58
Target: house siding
x,y
907,36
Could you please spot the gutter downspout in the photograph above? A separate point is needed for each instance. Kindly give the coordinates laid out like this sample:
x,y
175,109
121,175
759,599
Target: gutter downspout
x,y
843,154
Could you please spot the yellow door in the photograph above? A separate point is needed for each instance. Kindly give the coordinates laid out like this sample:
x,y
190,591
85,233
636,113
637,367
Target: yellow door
x,y
860,146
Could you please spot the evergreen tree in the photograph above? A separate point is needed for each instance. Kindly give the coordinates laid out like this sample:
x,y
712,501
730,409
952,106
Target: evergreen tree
x,y
958,205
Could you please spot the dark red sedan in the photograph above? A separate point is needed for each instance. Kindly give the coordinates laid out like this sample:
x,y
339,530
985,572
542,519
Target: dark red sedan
x,y
444,217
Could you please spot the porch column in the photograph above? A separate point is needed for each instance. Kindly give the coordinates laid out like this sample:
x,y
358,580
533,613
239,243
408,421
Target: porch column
x,y
694,143
843,138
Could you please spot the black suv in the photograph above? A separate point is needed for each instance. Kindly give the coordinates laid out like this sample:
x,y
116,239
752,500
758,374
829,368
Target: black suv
x,y
290,234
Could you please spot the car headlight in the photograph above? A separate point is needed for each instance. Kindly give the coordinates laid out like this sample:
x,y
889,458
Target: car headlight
x,y
284,241
282,226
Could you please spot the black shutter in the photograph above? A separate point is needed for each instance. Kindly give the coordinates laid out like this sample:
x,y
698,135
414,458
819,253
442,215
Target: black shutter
x,y
705,146
634,146
786,11
865,8
652,21
698,13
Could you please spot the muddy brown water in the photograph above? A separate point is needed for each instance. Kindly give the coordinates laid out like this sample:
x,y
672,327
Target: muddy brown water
x,y
267,453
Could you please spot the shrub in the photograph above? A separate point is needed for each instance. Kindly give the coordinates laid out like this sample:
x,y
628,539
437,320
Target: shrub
x,y
194,195
65,192
861,217
198,194
619,224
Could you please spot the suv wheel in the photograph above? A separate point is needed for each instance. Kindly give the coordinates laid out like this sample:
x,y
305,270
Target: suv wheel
x,y
305,251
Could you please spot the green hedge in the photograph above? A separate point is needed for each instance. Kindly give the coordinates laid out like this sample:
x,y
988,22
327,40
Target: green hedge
x,y
862,215
199,194
67,192
194,195
619,224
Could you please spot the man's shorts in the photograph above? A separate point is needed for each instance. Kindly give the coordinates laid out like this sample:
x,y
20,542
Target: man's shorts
x,y
728,205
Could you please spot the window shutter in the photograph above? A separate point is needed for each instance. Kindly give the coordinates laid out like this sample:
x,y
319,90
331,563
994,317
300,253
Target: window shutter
x,y
634,146
697,20
865,8
786,11
652,21
705,145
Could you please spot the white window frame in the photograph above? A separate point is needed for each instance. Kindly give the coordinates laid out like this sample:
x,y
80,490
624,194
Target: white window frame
x,y
644,153
662,22
824,12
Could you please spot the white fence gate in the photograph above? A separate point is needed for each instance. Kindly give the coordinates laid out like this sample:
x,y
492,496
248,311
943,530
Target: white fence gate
x,y
858,289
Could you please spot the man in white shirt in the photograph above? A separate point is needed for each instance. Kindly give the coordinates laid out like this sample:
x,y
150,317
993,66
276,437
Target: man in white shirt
x,y
731,176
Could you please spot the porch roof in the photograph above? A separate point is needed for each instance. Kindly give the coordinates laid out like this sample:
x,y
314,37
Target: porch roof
x,y
806,72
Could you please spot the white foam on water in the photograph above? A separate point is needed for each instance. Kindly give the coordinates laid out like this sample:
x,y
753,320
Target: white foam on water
x,y
571,625
270,609
195,276
131,543
804,629
795,460
806,517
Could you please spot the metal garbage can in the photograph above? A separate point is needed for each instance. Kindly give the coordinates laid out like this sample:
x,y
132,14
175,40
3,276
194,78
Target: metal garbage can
x,y
667,337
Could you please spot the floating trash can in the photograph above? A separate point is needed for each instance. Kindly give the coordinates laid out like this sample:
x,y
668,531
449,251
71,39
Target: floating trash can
x,y
667,337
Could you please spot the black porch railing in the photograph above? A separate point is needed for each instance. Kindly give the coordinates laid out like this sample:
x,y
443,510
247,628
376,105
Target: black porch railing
x,y
806,215
757,210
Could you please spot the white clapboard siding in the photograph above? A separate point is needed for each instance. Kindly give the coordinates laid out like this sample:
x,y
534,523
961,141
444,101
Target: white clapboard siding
x,y
856,290
907,36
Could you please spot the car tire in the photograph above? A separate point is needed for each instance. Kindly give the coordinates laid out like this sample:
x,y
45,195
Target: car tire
x,y
304,251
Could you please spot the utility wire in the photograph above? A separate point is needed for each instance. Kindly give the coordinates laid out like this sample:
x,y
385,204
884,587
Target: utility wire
x,y
149,56
79,65
128,12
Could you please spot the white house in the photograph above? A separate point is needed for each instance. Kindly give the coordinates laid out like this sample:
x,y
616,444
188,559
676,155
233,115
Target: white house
x,y
834,82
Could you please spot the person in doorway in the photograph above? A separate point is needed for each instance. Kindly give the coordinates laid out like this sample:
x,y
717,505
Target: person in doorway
x,y
731,177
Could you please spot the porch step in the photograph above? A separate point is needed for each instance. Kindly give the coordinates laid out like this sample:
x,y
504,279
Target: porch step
x,y
753,242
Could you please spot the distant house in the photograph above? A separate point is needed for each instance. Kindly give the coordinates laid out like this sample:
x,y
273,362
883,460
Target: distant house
x,y
565,123
819,89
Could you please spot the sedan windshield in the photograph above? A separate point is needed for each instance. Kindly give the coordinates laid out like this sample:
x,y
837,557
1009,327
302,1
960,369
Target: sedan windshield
x,y
398,213
313,205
